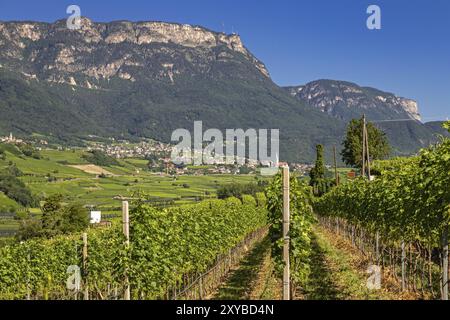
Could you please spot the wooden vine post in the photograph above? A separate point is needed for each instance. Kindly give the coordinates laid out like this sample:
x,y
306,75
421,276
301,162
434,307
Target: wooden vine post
x,y
445,264
363,158
286,222
336,177
403,266
85,257
126,232
366,134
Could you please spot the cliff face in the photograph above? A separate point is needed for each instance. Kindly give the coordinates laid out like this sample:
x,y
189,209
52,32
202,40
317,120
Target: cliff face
x,y
101,51
345,100
122,31
146,79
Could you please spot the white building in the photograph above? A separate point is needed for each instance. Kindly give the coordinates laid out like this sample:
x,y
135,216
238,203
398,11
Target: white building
x,y
96,217
10,139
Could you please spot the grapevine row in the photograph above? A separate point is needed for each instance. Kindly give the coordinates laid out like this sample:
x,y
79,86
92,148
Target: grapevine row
x,y
166,246
409,201
301,219
406,207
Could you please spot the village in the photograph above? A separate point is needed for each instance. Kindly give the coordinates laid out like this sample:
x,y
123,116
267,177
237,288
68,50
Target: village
x,y
158,155
122,149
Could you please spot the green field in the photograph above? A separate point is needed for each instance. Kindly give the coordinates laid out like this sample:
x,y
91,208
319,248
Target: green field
x,y
7,203
49,164
129,178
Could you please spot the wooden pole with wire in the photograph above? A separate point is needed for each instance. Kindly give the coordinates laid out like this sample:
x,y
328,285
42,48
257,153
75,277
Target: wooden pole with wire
x,y
403,265
126,232
336,176
445,264
85,257
335,166
286,223
363,168
367,149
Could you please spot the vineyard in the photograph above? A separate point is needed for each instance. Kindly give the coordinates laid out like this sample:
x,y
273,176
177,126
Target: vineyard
x,y
168,249
300,228
396,222
401,218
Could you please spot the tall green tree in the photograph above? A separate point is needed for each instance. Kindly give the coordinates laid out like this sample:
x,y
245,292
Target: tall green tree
x,y
74,218
57,219
63,219
318,172
320,183
51,212
379,147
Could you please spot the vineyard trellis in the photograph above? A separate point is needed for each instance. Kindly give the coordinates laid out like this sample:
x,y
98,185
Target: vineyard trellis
x,y
202,285
300,228
413,266
407,208
166,246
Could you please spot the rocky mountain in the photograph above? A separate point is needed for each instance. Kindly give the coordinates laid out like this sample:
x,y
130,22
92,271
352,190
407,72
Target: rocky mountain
x,y
130,51
398,117
346,100
145,79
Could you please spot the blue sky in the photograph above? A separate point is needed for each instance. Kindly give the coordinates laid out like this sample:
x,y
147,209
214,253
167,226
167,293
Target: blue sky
x,y
301,40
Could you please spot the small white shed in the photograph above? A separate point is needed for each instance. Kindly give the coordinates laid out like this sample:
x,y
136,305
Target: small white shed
x,y
96,217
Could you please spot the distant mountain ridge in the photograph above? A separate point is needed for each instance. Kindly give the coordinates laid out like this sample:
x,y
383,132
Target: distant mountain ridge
x,y
344,100
397,116
145,79
57,62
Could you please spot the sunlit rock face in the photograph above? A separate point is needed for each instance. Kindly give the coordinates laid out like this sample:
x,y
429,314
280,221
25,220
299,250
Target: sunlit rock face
x,y
344,100
146,79
123,49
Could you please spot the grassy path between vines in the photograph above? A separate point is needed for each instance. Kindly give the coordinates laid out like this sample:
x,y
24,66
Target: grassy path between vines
x,y
253,279
338,271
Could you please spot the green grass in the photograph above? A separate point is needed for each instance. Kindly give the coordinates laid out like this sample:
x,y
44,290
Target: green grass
x,y
138,163
6,203
240,283
333,277
44,166
130,177
71,157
